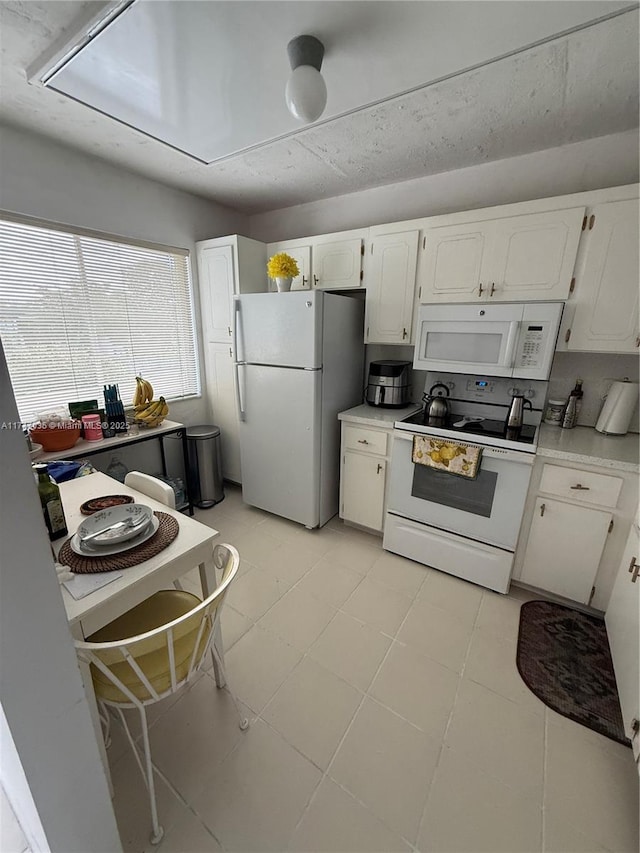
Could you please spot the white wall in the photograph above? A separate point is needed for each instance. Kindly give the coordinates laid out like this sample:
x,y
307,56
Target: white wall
x,y
607,161
40,685
46,180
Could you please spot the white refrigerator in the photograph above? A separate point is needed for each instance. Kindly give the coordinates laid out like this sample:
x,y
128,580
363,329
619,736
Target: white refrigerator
x,y
299,361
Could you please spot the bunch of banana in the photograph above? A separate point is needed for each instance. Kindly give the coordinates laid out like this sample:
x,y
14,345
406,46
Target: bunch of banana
x,y
144,392
151,413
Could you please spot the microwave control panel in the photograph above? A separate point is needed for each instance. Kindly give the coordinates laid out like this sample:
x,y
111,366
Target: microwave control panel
x,y
532,345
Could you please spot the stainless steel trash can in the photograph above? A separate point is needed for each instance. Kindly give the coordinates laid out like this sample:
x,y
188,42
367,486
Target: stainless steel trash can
x,y
205,465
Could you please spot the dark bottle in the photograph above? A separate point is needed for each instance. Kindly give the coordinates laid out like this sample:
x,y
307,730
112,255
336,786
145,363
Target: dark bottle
x,y
578,393
51,503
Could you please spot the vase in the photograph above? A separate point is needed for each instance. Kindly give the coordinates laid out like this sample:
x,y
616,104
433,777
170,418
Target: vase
x,y
283,283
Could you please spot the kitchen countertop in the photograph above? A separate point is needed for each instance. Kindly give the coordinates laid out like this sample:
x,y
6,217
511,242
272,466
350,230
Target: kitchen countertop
x,y
584,444
376,415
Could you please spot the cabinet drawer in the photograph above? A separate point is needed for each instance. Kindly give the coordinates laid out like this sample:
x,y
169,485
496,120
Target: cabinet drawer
x,y
581,486
366,440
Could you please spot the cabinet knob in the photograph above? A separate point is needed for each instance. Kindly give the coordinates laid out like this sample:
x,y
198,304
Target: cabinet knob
x,y
542,507
580,488
634,568
480,289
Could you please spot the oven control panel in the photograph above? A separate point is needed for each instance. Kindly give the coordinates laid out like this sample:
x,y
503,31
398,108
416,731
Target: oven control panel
x,y
481,387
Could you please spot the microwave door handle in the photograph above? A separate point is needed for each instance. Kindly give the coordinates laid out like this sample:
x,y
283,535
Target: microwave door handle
x,y
512,340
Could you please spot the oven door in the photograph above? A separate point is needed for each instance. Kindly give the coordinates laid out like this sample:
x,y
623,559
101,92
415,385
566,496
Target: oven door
x,y
488,509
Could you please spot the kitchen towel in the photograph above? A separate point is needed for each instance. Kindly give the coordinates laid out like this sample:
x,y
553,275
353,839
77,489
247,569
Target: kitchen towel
x,y
463,460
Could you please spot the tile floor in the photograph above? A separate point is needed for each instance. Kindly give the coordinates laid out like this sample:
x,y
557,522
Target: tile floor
x,y
386,714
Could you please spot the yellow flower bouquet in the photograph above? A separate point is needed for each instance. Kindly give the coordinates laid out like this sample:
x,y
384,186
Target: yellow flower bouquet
x,y
282,266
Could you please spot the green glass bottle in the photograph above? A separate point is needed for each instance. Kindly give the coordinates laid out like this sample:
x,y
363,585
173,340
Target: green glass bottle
x,y
51,503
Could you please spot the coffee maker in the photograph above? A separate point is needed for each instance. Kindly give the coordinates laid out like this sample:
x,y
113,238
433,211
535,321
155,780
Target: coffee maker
x,y
388,384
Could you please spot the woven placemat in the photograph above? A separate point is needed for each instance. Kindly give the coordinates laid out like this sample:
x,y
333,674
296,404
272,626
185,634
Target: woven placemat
x,y
164,535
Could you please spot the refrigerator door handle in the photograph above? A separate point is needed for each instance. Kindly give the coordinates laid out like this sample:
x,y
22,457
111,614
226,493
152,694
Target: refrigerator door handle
x,y
236,360
241,412
236,311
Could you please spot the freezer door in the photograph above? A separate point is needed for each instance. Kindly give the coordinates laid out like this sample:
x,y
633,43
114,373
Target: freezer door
x,y
280,440
280,328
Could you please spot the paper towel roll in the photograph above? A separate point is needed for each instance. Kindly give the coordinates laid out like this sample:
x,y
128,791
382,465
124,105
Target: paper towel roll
x,y
618,407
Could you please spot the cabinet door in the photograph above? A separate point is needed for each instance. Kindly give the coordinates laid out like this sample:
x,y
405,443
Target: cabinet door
x,y
623,629
564,548
217,285
454,263
606,295
534,255
363,480
337,265
221,391
390,287
302,256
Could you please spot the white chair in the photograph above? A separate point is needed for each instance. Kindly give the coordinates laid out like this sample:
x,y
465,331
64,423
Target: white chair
x,y
151,487
151,651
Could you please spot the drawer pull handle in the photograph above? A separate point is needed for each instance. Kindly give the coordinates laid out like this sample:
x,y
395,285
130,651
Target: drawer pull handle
x,y
379,468
581,488
634,568
542,506
493,288
362,441
480,289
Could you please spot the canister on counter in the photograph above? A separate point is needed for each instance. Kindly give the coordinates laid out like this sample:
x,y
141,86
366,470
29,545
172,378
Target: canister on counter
x,y
92,427
554,411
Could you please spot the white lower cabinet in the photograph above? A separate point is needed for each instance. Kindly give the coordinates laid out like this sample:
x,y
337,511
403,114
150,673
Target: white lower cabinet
x,y
363,475
564,548
575,526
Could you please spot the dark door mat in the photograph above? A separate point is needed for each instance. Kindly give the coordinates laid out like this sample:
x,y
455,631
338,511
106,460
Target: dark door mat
x,y
564,658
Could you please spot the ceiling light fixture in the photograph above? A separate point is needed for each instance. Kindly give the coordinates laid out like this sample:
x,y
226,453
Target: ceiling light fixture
x,y
306,92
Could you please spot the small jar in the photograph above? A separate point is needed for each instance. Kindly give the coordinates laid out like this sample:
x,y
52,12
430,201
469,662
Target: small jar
x,y
92,425
553,414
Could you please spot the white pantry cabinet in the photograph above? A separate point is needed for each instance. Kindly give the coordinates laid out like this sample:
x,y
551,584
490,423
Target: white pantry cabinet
x,y
391,262
327,261
520,257
221,396
363,474
622,619
227,266
602,312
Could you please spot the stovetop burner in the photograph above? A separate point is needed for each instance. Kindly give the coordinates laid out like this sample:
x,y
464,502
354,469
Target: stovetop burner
x,y
482,428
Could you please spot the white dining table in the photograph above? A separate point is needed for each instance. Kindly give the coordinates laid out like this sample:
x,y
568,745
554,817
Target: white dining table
x,y
193,546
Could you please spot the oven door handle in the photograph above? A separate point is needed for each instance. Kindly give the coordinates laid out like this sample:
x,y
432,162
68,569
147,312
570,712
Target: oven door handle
x,y
489,452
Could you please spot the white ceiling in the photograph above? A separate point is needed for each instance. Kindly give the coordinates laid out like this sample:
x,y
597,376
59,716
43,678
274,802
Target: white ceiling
x,y
386,119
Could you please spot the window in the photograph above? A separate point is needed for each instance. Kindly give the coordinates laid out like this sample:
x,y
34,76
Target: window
x,y
78,312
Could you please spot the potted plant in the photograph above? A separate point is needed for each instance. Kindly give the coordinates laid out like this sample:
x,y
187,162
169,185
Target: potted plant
x,y
282,268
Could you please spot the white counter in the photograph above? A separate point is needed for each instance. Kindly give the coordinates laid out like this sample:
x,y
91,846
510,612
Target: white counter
x,y
584,444
376,415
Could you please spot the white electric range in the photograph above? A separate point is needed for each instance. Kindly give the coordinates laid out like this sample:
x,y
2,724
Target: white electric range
x,y
466,527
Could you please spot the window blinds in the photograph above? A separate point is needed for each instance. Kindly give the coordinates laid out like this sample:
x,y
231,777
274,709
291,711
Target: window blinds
x,y
78,312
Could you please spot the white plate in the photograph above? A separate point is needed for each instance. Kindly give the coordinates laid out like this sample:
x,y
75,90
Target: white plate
x,y
136,513
106,550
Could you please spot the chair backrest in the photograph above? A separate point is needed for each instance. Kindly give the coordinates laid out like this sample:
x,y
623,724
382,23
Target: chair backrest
x,y
152,487
145,668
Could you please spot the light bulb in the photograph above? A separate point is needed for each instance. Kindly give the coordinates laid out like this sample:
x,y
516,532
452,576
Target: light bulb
x,y
306,93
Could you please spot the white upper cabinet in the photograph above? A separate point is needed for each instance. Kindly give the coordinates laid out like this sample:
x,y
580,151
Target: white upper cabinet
x,y
605,318
227,266
518,258
326,262
391,277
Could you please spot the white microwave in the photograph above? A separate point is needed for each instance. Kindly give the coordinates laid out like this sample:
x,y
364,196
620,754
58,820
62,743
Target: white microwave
x,y
510,339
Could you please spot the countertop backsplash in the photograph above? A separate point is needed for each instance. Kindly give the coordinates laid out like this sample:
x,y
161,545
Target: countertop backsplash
x,y
597,371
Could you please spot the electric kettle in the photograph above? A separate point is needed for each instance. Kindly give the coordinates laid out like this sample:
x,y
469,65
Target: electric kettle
x,y
436,408
514,419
